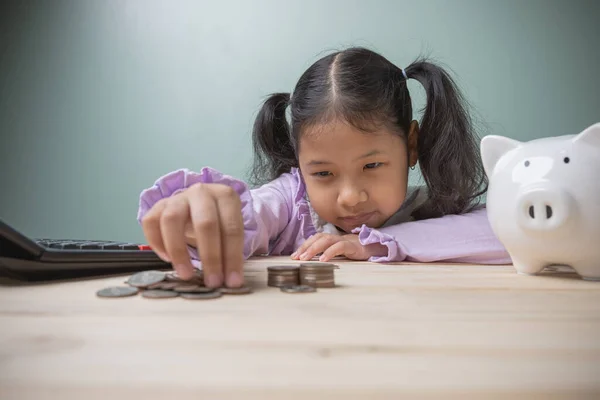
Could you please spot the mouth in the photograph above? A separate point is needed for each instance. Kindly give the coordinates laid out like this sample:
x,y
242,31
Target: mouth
x,y
357,219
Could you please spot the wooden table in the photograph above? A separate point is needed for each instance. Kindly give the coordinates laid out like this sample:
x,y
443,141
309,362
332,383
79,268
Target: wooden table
x,y
422,331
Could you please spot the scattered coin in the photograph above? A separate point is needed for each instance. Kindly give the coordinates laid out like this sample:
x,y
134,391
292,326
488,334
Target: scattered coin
x,y
172,277
146,278
240,290
159,294
117,291
168,285
298,289
156,286
192,289
305,278
185,287
198,278
202,296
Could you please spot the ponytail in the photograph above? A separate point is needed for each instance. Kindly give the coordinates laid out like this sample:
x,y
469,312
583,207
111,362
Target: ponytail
x,y
448,148
274,152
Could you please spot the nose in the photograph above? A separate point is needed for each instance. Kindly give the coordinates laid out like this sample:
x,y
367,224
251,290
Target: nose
x,y
543,208
351,195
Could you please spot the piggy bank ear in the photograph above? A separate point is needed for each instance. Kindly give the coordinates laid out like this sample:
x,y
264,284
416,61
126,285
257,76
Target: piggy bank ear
x,y
492,148
590,136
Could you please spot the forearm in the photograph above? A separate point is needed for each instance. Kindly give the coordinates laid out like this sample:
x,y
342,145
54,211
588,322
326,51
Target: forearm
x,y
452,238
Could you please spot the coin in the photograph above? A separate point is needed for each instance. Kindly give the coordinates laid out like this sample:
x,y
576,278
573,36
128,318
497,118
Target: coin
x,y
155,286
192,289
307,280
318,275
311,275
146,278
282,282
283,275
239,290
298,289
317,284
117,291
159,294
168,285
202,296
316,266
196,279
172,277
283,268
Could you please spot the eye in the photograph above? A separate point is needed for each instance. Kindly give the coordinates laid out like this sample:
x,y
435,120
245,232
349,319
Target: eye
x,y
322,174
373,165
527,163
566,160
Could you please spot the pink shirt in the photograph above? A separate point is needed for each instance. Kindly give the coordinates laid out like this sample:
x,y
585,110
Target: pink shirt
x,y
278,218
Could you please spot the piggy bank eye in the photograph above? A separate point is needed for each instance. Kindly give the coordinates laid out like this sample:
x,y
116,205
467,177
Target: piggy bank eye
x,y
566,160
527,163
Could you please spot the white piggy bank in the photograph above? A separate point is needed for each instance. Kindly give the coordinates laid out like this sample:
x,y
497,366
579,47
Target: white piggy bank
x,y
543,200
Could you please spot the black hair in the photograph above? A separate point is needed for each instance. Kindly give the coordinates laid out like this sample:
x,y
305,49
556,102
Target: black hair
x,y
364,89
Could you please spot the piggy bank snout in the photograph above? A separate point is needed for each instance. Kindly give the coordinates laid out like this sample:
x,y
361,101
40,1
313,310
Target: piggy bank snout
x,y
543,207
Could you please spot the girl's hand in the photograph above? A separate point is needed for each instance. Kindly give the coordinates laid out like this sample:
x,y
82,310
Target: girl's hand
x,y
207,216
334,245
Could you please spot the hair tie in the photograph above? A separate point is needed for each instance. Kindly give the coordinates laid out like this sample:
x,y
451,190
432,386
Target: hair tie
x,y
404,73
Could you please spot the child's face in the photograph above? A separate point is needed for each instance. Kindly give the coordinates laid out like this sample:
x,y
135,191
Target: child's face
x,y
352,177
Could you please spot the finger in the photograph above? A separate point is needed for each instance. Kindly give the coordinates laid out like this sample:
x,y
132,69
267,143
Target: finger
x,y
319,246
151,229
306,244
205,221
341,248
232,235
172,223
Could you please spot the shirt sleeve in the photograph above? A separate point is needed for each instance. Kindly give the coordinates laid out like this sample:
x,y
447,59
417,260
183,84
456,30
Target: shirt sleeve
x,y
266,210
462,238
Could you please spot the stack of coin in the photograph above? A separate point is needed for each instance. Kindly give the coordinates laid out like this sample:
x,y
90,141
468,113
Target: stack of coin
x,y
283,275
318,275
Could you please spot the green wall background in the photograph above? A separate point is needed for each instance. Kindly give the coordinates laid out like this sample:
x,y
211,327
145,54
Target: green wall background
x,y
100,98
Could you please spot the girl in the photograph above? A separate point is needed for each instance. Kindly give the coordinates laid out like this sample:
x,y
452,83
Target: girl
x,y
335,179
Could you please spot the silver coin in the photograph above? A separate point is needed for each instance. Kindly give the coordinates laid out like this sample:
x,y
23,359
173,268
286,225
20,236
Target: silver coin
x,y
155,286
174,277
298,289
202,296
276,283
164,285
159,294
192,289
169,285
306,280
185,287
283,278
146,278
313,277
239,290
316,278
283,268
117,291
284,274
318,266
318,284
